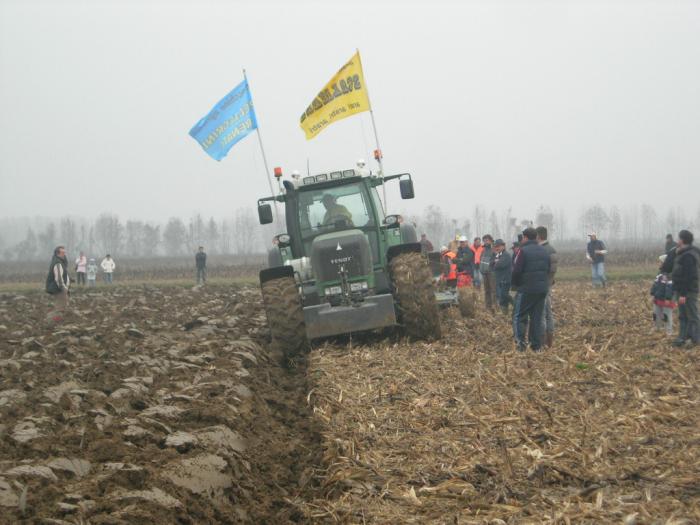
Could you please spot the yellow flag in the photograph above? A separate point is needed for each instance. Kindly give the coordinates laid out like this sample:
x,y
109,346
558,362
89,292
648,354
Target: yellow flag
x,y
344,95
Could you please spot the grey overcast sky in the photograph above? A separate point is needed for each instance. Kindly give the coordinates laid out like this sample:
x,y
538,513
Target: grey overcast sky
x,y
493,103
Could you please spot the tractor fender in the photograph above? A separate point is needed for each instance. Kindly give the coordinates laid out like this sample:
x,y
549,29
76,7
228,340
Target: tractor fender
x,y
275,273
409,247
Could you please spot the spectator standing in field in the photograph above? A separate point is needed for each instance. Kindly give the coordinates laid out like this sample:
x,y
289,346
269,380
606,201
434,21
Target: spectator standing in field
x,y
80,268
486,269
531,269
465,257
548,317
502,268
595,253
58,281
91,272
477,248
108,267
662,298
670,243
425,245
200,260
684,275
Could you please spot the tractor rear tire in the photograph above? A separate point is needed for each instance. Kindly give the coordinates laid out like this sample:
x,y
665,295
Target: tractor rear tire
x,y
414,293
285,317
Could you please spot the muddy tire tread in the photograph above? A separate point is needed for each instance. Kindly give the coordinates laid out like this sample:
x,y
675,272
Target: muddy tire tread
x,y
414,292
285,316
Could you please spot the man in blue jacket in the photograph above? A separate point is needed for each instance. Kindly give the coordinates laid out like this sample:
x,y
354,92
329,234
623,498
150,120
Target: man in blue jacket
x,y
531,268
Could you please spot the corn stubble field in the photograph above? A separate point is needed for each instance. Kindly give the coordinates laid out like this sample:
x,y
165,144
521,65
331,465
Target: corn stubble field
x,y
163,404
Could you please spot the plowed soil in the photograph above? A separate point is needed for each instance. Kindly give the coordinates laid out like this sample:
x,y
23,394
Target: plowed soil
x,y
149,405
169,405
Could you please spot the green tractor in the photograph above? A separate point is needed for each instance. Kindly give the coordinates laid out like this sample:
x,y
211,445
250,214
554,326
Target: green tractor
x,y
343,266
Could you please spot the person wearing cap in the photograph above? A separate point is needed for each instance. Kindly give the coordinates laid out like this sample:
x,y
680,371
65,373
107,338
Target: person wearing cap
x,y
334,211
486,271
595,253
465,257
548,317
502,267
531,269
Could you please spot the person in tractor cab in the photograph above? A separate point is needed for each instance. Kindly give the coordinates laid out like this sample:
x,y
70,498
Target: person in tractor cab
x,y
334,211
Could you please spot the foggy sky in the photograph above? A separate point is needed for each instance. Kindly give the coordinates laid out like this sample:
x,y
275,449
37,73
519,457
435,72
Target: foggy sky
x,y
493,103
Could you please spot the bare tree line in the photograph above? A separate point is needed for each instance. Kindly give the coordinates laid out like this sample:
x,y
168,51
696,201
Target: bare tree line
x,y
240,233
634,225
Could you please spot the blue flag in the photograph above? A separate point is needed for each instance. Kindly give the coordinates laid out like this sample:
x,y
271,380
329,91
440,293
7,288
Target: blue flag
x,y
228,122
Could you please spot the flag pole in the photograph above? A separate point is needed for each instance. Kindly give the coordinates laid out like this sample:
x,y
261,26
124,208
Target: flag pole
x,y
378,157
262,150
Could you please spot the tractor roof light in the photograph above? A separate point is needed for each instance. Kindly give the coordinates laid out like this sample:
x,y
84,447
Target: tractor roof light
x,y
278,172
309,180
322,177
336,175
348,173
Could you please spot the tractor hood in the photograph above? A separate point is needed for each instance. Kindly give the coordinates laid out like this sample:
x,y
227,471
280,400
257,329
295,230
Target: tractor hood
x,y
345,250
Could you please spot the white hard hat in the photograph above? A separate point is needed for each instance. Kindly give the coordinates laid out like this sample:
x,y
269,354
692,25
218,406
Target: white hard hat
x,y
463,238
361,162
443,248
296,174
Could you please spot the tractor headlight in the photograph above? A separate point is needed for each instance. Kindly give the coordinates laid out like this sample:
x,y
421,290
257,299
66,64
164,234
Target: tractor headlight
x,y
333,290
358,287
283,238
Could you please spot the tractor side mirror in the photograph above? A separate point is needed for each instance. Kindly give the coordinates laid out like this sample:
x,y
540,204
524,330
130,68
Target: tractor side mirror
x,y
265,213
406,187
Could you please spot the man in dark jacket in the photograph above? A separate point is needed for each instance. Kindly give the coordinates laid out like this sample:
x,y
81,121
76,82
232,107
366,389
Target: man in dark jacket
x,y
486,269
531,269
684,275
465,257
57,280
502,268
548,317
595,253
200,260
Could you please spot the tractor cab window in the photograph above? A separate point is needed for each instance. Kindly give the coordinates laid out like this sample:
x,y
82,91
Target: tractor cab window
x,y
324,210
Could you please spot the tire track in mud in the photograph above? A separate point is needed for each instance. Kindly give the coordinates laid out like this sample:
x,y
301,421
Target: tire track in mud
x,y
286,451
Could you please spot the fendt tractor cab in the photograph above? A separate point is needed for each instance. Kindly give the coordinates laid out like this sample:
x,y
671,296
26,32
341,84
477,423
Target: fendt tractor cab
x,y
343,265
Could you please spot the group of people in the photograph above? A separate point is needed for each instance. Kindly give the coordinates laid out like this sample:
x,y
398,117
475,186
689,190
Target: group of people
x,y
677,285
530,271
86,269
58,281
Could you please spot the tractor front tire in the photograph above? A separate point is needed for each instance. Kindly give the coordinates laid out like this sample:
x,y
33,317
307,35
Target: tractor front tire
x,y
285,317
414,293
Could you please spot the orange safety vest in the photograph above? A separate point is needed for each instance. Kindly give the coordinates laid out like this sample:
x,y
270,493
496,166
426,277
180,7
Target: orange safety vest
x,y
477,254
449,258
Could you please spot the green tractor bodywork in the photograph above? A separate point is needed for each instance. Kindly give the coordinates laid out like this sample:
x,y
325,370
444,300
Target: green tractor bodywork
x,y
342,252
